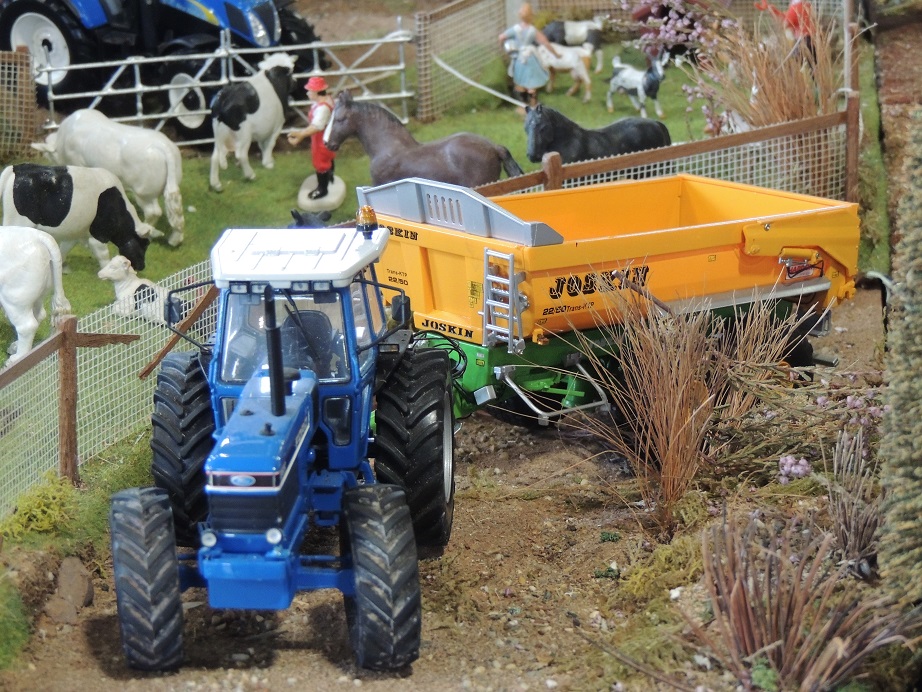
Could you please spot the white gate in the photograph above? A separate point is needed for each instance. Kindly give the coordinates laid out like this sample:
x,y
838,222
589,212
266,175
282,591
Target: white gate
x,y
374,69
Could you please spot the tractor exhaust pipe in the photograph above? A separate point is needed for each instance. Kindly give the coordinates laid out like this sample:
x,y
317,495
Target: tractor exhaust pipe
x,y
274,345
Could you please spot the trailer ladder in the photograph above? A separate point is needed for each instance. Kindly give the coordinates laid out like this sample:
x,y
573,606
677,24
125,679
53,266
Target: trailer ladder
x,y
502,302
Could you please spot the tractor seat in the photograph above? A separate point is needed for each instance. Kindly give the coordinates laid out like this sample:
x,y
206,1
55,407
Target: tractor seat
x,y
307,341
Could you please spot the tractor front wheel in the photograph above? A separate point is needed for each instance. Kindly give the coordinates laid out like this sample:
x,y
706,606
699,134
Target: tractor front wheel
x,y
147,592
384,614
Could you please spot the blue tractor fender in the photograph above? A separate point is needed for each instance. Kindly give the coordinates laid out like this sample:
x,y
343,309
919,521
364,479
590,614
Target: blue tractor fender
x,y
90,13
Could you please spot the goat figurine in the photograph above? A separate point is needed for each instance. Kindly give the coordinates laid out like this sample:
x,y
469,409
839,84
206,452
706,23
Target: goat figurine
x,y
137,296
636,84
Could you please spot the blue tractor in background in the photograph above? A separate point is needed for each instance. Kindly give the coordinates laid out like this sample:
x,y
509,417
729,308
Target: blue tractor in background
x,y
264,436
62,33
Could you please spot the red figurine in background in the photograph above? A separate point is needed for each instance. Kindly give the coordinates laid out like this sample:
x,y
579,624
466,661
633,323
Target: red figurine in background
x,y
320,112
797,21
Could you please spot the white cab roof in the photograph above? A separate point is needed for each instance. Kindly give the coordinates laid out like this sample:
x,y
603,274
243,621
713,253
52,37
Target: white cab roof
x,y
279,256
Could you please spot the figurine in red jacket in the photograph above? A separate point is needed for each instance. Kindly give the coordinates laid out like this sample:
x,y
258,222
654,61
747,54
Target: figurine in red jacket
x,y
797,21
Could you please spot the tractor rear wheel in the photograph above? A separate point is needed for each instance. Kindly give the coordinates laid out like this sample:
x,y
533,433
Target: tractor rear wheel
x,y
148,597
415,441
55,39
183,423
384,614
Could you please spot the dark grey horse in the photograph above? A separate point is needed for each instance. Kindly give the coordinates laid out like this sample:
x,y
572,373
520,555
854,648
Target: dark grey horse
x,y
548,130
462,159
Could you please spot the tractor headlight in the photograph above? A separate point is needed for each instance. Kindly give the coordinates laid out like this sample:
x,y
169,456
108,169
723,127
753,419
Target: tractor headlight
x,y
274,536
209,539
260,32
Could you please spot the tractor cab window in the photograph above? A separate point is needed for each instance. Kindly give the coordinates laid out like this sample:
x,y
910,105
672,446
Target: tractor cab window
x,y
311,331
369,318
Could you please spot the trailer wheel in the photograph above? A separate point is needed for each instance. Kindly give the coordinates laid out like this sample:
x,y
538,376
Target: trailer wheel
x,y
148,598
183,423
53,36
415,441
799,350
384,614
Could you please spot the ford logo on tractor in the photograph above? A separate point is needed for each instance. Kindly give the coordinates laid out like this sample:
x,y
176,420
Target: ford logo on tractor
x,y
241,481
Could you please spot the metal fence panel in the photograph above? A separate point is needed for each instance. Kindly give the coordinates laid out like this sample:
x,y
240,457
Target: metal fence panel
x,y
17,104
112,401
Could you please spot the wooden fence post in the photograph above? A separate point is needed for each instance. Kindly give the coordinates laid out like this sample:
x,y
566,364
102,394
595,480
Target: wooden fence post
x,y
552,166
67,406
852,145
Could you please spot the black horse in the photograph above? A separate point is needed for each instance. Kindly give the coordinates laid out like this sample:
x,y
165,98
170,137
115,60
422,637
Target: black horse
x,y
548,130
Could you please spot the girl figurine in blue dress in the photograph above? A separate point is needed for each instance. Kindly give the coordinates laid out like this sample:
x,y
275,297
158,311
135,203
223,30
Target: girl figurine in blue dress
x,y
520,41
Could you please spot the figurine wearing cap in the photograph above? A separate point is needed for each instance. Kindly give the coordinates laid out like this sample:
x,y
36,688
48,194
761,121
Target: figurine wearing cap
x,y
320,112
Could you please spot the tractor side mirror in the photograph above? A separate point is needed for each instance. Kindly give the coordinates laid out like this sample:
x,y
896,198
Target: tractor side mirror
x,y
401,313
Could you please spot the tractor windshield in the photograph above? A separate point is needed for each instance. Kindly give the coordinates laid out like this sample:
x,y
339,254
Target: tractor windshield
x,y
311,330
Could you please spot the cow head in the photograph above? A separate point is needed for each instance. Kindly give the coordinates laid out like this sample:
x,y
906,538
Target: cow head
x,y
134,249
48,147
118,269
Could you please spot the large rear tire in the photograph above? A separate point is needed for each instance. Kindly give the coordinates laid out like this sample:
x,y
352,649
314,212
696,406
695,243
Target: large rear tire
x,y
297,31
183,423
414,441
53,36
385,613
147,592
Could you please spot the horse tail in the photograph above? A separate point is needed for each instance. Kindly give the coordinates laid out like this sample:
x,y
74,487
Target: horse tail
x,y
172,198
510,165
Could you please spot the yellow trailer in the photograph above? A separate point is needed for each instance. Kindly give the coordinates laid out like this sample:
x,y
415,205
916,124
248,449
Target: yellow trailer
x,y
505,272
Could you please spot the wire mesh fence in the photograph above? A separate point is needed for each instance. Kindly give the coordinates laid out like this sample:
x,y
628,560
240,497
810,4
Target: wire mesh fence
x,y
809,163
17,104
463,35
112,400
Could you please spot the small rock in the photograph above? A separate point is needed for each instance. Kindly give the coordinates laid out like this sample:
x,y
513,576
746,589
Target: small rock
x,y
74,582
61,611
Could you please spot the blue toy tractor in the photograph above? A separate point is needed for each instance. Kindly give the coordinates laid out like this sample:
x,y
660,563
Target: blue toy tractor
x,y
266,435
62,33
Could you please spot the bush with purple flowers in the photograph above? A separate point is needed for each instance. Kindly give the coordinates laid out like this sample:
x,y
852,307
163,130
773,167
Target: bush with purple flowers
x,y
790,467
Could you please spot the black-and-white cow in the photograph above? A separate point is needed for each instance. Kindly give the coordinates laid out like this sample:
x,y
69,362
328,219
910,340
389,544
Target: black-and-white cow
x,y
248,111
75,204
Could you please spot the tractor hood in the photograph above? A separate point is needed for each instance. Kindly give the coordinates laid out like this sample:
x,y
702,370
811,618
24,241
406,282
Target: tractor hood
x,y
256,448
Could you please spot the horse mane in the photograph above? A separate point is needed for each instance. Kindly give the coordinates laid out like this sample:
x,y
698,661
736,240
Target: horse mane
x,y
560,117
375,110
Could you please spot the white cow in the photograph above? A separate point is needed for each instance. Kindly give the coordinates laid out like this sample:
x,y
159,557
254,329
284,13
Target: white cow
x,y
578,33
248,111
30,268
134,295
572,59
146,161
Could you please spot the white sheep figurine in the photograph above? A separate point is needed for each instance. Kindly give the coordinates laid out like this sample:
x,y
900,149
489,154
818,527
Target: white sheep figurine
x,y
135,296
